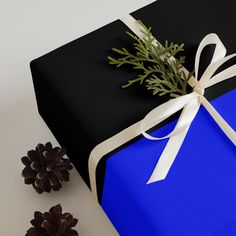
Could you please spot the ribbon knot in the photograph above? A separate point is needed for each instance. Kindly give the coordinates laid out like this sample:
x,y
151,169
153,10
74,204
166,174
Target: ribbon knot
x,y
199,90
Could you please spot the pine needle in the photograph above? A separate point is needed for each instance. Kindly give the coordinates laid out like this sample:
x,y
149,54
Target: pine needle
x,y
156,69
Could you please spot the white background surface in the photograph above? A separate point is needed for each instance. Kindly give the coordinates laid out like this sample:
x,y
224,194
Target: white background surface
x,y
28,29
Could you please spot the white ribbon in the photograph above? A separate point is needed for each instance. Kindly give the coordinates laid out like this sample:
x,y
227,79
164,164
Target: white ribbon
x,y
190,104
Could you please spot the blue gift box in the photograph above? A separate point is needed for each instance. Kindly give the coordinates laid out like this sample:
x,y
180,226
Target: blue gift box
x,y
80,98
197,198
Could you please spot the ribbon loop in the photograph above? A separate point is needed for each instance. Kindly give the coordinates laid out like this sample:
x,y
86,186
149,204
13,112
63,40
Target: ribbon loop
x,y
220,50
162,112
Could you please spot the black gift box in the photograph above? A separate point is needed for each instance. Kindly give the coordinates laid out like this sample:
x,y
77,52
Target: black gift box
x,y
79,94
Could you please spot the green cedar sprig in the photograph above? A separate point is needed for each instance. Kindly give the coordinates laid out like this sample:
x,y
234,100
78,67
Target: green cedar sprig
x,y
154,62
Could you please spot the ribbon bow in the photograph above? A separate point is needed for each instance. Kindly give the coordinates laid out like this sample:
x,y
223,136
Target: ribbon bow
x,y
190,104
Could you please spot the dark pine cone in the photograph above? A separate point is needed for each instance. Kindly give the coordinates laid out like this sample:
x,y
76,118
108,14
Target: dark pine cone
x,y
45,168
52,223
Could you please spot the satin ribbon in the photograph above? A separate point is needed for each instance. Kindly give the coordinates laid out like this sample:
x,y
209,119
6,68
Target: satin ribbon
x,y
189,104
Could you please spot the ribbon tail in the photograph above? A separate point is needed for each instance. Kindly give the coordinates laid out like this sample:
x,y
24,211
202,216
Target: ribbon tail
x,y
168,156
174,143
226,128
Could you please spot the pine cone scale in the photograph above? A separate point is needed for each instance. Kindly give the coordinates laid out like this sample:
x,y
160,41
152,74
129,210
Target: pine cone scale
x,y
25,160
29,181
73,222
28,173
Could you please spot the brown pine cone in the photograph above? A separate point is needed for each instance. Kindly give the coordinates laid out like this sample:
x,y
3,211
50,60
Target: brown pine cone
x,y
52,223
45,168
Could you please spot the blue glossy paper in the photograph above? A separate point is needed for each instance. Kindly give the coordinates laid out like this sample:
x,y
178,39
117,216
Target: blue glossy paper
x,y
198,197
